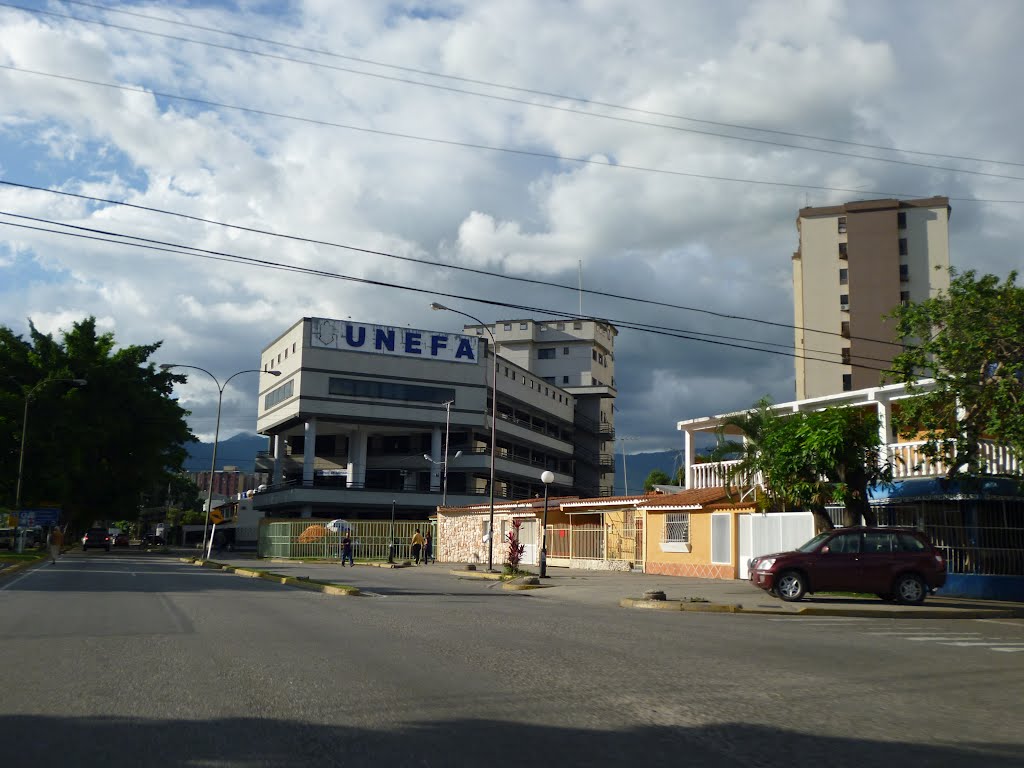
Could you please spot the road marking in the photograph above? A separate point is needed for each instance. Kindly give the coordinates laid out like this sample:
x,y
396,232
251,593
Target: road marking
x,y
372,594
920,633
1004,649
937,638
994,644
1017,624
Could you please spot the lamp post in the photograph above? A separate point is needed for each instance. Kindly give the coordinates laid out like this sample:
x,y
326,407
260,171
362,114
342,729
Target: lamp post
x,y
625,475
494,417
392,544
216,432
447,423
24,429
546,477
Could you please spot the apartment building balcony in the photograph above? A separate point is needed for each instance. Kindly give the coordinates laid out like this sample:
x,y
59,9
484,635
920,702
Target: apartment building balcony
x,y
907,460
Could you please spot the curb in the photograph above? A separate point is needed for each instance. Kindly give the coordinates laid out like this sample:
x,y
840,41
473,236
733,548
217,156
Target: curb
x,y
16,567
476,575
301,582
909,613
286,561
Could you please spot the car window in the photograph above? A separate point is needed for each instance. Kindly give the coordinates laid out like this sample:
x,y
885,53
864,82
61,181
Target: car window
x,y
880,542
814,543
845,543
908,543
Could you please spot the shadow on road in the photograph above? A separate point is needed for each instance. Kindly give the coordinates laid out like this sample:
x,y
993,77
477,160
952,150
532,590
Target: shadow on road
x,y
41,741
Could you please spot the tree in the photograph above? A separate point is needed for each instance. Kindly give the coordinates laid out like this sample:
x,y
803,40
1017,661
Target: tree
x,y
94,450
656,477
970,340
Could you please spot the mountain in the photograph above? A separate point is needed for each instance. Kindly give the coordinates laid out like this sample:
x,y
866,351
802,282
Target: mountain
x,y
639,466
238,451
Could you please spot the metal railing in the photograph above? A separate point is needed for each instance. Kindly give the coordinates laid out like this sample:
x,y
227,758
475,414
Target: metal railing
x,y
309,538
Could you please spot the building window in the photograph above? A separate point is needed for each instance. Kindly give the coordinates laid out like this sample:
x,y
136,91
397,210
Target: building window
x,y
565,379
846,355
904,298
560,326
844,302
278,395
389,390
542,327
546,353
904,272
903,246
278,357
565,350
842,225
677,528
508,326
844,329
523,326
847,382
577,325
901,219
721,539
844,276
593,354
842,251
293,347
286,353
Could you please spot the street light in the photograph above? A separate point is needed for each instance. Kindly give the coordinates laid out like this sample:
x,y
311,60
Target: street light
x,y
216,433
625,475
494,417
447,423
24,425
546,477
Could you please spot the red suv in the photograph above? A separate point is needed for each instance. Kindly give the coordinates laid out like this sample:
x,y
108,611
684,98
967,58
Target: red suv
x,y
896,564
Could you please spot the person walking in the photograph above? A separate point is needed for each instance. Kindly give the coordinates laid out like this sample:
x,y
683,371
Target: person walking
x,y
55,540
428,548
417,545
346,550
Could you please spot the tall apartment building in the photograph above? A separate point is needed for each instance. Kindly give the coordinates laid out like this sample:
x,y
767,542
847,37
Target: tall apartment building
x,y
855,264
579,357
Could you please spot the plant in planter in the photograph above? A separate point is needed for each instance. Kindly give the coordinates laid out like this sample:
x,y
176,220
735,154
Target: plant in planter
x,y
515,550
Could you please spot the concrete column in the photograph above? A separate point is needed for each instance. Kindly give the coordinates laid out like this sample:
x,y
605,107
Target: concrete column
x,y
357,458
687,457
278,449
436,454
309,452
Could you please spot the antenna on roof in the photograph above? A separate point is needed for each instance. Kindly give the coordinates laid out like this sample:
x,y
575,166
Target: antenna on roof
x,y
579,264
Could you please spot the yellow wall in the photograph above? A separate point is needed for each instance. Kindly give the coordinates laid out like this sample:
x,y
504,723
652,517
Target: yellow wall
x,y
696,562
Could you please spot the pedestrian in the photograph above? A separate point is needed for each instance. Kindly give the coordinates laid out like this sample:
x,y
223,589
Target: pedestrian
x,y
346,550
55,540
428,548
417,545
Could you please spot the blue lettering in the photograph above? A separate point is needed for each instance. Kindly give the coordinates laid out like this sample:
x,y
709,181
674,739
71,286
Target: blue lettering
x,y
438,343
351,341
412,343
385,338
465,349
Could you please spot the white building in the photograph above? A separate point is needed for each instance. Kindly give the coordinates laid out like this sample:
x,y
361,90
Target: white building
x,y
358,405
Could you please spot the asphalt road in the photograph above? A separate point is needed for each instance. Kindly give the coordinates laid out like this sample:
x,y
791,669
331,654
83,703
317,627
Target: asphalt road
x,y
128,659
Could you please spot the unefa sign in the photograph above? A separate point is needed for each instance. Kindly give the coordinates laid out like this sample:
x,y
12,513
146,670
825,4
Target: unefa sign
x,y
388,340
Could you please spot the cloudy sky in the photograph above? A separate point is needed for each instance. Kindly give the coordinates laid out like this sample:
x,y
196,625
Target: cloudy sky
x,y
664,146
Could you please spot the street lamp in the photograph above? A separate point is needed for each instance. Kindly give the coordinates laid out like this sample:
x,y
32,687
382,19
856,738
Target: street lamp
x,y
216,433
447,423
494,418
546,477
625,475
24,425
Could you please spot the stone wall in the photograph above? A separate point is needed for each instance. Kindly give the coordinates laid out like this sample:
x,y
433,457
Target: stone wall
x,y
460,538
601,565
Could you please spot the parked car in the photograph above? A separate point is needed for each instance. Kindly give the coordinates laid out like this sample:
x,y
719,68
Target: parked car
x,y
96,537
121,540
7,538
152,540
897,564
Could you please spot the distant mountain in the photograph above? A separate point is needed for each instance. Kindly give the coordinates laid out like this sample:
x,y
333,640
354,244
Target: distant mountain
x,y
238,451
639,466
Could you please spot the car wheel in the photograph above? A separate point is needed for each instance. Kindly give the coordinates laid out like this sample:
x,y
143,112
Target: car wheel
x,y
910,589
791,586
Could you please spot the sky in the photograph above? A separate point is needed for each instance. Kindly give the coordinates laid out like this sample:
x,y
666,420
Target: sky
x,y
658,151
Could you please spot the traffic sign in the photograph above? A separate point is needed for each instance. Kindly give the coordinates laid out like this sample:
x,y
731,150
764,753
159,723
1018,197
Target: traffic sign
x,y
216,516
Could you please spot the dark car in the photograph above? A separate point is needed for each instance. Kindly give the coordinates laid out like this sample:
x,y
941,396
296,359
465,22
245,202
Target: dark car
x,y
896,564
121,540
96,537
153,540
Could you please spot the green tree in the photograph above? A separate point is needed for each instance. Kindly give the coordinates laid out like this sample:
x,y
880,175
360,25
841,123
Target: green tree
x,y
97,449
656,477
970,340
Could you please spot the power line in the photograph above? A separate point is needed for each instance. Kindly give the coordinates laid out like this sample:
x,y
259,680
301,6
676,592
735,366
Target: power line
x,y
485,147
517,89
411,259
250,261
508,99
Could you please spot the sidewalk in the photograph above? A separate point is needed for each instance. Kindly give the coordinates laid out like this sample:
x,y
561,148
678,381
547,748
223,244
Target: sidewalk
x,y
623,589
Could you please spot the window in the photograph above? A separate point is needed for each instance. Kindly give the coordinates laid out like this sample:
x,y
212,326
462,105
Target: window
x,y
523,326
293,347
565,379
847,382
577,325
542,327
531,383
565,350
880,543
546,353
278,357
842,225
677,527
908,543
286,353
721,538
844,329
846,355
844,277
560,326
845,543
904,298
904,272
593,354
389,390
842,251
278,395
844,302
600,359
508,326
901,219
903,246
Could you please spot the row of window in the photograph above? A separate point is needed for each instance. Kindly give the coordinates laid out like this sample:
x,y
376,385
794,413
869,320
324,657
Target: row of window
x,y
560,326
553,394
278,395
389,390
901,222
268,365
844,299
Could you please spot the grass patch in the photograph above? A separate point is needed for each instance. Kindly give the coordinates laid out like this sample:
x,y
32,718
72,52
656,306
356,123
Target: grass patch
x,y
23,557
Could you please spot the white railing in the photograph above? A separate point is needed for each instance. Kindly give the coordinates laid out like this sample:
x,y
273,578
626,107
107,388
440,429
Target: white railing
x,y
907,458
